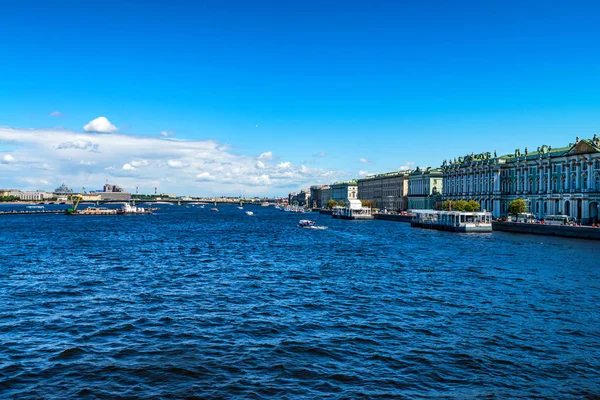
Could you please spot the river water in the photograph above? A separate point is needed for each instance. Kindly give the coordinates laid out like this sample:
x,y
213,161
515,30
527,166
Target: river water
x,y
193,303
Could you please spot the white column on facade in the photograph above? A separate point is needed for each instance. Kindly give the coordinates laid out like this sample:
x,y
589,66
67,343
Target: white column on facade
x,y
567,177
496,181
578,177
548,186
525,181
589,176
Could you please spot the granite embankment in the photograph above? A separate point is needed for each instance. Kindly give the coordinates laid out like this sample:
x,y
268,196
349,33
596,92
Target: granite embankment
x,y
580,232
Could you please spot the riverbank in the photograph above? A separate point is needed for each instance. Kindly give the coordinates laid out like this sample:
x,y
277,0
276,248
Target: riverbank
x,y
579,232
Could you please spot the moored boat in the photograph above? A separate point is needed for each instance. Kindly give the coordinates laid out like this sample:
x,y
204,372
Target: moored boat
x,y
454,221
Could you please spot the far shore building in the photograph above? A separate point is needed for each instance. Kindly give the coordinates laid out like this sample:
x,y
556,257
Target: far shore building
x,y
425,188
552,181
344,191
31,196
388,191
112,193
63,190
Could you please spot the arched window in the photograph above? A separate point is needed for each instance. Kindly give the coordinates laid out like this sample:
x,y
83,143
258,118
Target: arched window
x,y
597,181
545,207
597,164
573,181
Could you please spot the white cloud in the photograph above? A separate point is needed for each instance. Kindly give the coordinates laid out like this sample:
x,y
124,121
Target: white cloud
x,y
139,163
407,166
81,144
364,161
321,154
56,114
176,164
260,180
167,134
8,159
100,125
267,155
205,176
363,173
194,167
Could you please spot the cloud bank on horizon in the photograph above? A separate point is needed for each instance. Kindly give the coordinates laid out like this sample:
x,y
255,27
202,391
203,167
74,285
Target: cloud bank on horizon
x,y
42,158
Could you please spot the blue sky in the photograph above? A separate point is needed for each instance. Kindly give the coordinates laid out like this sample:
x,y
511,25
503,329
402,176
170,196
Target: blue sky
x,y
320,85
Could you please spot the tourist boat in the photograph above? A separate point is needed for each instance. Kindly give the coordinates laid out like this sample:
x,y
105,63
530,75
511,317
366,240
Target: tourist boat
x,y
214,209
35,207
249,213
354,210
240,208
454,221
127,208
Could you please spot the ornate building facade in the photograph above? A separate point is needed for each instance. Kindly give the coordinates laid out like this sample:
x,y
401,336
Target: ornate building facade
x,y
319,196
552,181
424,188
387,191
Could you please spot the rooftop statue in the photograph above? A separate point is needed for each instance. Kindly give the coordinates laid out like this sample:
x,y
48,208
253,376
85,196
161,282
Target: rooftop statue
x,y
525,150
576,139
495,155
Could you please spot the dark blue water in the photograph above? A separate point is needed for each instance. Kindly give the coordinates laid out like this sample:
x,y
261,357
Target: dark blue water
x,y
188,302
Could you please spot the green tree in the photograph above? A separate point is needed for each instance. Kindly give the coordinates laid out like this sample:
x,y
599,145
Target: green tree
x,y
342,203
517,206
368,203
331,203
461,205
473,205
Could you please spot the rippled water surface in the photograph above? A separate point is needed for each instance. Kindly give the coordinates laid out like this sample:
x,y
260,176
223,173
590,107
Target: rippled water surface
x,y
189,302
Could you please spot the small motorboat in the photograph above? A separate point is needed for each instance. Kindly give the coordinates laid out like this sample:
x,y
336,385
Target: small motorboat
x,y
305,223
249,213
214,209
240,208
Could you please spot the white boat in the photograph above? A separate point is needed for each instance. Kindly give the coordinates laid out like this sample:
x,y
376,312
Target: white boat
x,y
35,207
354,210
240,208
249,213
455,221
214,209
305,223
127,208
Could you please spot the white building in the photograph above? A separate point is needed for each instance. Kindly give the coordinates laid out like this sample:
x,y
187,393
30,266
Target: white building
x,y
344,191
552,181
31,196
